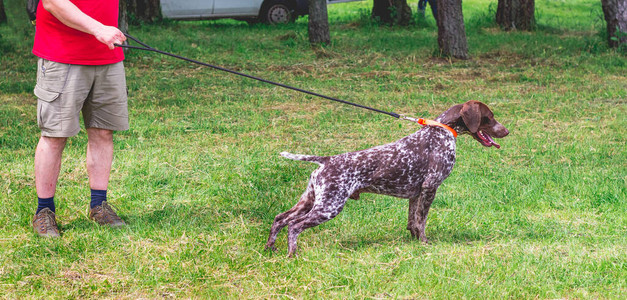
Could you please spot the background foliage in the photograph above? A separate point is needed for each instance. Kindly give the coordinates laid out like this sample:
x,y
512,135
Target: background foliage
x,y
199,180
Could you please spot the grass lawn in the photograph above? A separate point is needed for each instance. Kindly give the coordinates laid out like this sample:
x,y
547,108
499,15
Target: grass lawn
x,y
199,180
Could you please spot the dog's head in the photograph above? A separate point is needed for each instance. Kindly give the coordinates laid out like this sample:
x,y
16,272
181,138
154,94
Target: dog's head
x,y
476,119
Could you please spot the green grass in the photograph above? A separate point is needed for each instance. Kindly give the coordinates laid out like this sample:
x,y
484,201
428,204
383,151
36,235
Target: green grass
x,y
199,180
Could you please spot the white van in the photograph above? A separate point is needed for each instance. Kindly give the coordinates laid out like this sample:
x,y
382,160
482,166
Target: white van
x,y
268,11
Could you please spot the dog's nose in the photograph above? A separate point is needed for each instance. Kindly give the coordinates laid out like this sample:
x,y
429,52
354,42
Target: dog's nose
x,y
503,132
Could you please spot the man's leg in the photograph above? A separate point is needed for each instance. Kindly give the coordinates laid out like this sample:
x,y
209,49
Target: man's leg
x,y
99,161
422,4
47,166
99,157
104,111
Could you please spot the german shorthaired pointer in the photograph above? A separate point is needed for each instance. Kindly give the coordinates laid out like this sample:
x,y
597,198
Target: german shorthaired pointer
x,y
412,168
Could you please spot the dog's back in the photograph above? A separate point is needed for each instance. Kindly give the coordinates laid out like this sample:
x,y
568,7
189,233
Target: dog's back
x,y
396,169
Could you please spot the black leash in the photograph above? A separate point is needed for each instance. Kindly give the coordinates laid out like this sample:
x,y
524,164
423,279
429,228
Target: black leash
x,y
148,48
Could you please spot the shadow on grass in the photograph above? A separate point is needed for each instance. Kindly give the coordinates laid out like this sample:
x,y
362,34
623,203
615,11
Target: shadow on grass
x,y
79,224
176,217
405,238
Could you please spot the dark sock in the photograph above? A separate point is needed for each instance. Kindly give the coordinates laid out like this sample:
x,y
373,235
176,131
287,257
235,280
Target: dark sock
x,y
97,197
45,202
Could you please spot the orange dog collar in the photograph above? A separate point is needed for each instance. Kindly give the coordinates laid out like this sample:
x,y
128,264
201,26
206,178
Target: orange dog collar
x,y
425,122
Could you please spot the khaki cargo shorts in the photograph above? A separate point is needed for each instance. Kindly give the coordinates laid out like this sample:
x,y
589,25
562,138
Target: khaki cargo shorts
x,y
64,90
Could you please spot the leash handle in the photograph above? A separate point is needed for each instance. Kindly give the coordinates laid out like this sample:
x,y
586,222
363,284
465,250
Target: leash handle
x,y
148,48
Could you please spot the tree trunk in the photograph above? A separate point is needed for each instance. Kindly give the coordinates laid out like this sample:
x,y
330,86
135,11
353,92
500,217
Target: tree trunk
x,y
123,17
144,10
615,12
516,14
451,29
318,22
3,14
392,12
381,11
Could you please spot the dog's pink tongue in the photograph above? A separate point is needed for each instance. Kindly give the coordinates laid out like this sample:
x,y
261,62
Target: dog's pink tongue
x,y
486,137
492,142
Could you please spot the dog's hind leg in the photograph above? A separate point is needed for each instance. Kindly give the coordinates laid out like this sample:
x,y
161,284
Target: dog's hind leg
x,y
281,220
322,211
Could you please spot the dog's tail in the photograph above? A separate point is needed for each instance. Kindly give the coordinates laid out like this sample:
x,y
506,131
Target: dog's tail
x,y
321,160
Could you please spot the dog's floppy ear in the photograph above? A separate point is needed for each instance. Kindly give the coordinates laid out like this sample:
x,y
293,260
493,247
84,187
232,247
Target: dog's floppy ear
x,y
471,114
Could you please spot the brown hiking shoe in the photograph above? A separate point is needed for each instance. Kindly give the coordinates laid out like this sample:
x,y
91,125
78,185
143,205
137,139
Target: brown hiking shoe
x,y
45,224
104,215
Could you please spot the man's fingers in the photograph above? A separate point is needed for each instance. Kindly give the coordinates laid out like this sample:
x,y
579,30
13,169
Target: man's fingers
x,y
110,36
113,42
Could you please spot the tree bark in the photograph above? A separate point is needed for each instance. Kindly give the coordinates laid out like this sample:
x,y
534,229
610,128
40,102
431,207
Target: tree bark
x,y
615,12
451,29
123,17
144,10
516,14
381,11
392,12
3,14
318,22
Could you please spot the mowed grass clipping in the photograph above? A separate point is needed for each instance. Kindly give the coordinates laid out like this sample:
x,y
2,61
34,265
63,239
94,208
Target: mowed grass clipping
x,y
199,181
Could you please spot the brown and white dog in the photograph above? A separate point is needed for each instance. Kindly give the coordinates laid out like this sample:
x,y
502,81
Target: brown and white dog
x,y
412,168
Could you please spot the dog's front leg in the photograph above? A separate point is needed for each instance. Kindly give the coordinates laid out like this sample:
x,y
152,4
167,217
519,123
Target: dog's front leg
x,y
427,194
412,218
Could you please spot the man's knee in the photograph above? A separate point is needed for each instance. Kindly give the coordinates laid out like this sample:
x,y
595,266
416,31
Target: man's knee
x,y
99,135
53,143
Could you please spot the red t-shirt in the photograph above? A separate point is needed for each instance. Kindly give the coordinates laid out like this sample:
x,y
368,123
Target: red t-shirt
x,y
57,42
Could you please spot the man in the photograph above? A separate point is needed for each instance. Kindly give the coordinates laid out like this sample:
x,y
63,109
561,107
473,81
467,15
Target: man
x,y
422,4
79,69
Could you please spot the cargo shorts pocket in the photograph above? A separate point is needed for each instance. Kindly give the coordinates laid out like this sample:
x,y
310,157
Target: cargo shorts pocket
x,y
51,80
48,110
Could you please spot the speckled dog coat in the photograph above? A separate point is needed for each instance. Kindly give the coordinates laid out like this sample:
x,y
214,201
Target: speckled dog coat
x,y
412,168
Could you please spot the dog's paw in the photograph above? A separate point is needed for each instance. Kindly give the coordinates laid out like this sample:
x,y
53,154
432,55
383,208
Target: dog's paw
x,y
419,235
414,232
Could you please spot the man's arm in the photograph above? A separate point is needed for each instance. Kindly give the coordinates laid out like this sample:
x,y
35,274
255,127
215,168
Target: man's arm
x,y
71,16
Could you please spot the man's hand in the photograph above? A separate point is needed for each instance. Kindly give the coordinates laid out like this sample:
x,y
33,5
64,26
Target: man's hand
x,y
109,36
